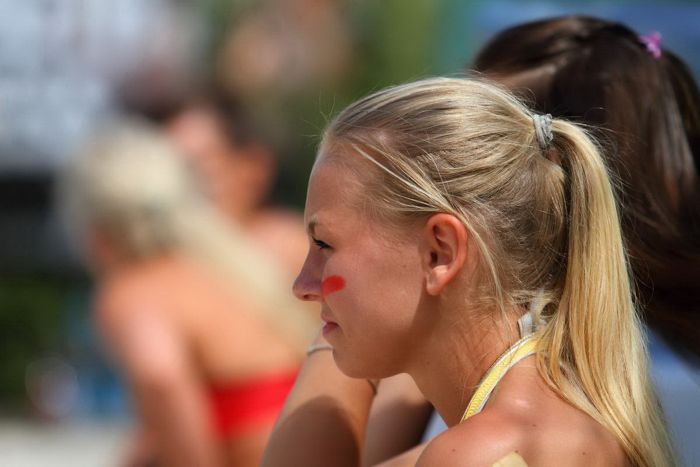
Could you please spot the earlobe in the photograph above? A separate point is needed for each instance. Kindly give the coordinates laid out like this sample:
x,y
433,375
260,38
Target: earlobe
x,y
445,251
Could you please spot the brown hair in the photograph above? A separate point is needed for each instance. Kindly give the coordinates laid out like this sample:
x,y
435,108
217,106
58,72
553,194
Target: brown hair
x,y
646,111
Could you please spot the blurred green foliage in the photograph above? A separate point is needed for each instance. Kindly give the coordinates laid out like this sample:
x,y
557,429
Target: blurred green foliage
x,y
393,42
31,310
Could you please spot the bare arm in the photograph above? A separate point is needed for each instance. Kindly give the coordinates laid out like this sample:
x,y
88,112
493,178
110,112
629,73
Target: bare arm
x,y
397,420
327,418
168,394
323,421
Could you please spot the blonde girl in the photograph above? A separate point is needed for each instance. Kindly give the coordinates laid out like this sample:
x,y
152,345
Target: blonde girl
x,y
195,314
461,239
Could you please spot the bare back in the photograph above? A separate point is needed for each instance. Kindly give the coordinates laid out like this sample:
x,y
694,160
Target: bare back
x,y
215,326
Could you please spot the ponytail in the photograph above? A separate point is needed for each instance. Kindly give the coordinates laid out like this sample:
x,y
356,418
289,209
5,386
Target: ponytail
x,y
546,228
593,345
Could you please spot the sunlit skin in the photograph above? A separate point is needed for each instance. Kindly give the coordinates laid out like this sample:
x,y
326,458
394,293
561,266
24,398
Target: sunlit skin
x,y
405,308
369,265
381,323
155,315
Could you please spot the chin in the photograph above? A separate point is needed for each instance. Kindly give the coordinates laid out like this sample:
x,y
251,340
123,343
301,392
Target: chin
x,y
357,367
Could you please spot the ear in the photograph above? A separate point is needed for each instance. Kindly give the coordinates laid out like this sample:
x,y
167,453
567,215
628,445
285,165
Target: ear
x,y
444,251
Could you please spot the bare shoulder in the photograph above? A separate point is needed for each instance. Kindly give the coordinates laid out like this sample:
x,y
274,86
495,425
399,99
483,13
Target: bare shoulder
x,y
120,298
494,434
483,440
131,309
272,225
283,234
148,347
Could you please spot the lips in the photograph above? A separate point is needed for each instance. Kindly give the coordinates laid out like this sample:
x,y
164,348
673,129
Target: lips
x,y
329,328
329,325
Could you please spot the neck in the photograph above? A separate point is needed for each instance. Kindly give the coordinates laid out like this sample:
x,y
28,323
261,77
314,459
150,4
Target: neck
x,y
471,348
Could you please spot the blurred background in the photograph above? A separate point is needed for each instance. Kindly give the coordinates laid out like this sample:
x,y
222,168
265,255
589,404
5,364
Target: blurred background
x,y
68,66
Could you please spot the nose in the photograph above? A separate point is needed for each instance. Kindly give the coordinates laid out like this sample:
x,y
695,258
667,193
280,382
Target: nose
x,y
307,285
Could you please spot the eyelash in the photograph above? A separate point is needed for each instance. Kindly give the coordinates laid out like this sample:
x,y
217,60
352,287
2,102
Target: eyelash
x,y
321,245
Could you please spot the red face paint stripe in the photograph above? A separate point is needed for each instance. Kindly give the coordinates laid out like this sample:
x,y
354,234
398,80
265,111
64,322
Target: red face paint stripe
x,y
332,284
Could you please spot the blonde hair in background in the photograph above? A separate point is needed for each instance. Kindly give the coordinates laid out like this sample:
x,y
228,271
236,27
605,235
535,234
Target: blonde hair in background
x,y
133,185
546,226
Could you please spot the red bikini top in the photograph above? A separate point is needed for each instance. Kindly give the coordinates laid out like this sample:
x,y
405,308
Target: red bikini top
x,y
240,406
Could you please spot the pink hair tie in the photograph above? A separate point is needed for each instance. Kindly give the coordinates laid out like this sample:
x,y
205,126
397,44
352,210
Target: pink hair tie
x,y
652,42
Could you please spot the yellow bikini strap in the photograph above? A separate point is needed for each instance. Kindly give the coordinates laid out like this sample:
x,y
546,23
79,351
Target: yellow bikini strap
x,y
523,348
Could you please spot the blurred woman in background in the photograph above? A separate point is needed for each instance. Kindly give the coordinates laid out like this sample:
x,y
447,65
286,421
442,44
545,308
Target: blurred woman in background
x,y
238,169
642,103
201,324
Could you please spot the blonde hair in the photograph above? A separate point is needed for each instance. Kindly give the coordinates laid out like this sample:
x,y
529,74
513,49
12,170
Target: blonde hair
x,y
546,225
132,184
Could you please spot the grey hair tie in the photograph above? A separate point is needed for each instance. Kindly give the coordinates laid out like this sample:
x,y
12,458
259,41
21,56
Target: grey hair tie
x,y
543,129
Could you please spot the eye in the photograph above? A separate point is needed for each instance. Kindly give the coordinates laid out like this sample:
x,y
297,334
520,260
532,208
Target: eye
x,y
320,244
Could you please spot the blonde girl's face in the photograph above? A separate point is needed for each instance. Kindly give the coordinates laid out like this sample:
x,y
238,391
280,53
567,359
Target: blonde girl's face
x,y
366,275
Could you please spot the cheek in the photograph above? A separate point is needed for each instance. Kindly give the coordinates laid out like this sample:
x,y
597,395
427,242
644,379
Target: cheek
x,y
375,287
332,284
372,275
